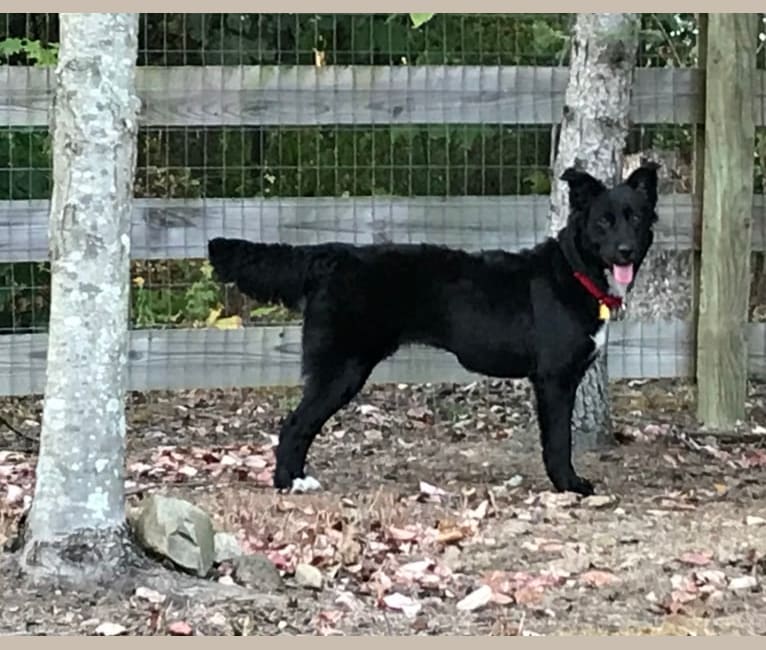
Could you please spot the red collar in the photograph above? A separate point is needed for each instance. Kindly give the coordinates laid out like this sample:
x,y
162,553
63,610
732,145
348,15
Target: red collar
x,y
613,302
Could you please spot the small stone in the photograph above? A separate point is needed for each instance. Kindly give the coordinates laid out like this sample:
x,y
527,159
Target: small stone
x,y
752,520
308,576
258,572
226,547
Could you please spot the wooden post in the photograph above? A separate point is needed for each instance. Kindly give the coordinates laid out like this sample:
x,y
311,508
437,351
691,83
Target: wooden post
x,y
698,183
726,220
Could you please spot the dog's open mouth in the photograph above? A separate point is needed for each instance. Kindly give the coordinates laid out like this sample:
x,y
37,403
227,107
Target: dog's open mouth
x,y
623,274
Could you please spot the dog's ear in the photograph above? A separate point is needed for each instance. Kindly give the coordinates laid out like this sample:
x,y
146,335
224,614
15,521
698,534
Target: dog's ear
x,y
644,180
583,188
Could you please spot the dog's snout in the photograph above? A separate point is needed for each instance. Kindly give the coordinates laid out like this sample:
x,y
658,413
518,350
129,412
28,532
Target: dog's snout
x,y
625,250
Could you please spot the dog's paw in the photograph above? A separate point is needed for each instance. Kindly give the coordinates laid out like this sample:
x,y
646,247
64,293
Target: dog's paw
x,y
283,481
581,486
303,485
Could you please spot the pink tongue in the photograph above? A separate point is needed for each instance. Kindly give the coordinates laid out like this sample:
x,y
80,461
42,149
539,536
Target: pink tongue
x,y
623,274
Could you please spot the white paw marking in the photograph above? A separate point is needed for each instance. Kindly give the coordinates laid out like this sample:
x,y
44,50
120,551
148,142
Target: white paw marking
x,y
308,484
599,338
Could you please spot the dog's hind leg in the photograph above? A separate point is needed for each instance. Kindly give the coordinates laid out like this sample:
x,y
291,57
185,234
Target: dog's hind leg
x,y
325,393
555,402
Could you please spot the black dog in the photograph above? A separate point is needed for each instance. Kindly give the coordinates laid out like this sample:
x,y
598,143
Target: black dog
x,y
540,313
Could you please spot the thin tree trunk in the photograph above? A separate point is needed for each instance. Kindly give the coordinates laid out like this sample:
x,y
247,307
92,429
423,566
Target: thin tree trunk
x,y
592,138
79,501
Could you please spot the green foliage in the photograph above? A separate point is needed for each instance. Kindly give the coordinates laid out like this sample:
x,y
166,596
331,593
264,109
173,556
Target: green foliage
x,y
549,39
34,51
420,19
668,40
25,164
184,297
24,297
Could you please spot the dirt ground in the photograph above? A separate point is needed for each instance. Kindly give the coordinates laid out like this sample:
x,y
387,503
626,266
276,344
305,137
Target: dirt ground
x,y
436,517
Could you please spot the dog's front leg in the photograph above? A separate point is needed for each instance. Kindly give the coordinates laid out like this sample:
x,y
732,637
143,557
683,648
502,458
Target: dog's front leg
x,y
555,402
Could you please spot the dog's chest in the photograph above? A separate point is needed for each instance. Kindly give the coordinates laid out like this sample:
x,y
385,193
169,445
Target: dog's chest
x,y
599,337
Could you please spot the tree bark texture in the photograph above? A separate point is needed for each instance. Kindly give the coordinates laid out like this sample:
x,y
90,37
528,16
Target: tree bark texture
x,y
726,220
76,524
592,137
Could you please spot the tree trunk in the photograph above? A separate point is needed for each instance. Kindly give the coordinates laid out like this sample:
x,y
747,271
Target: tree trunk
x,y
592,138
76,526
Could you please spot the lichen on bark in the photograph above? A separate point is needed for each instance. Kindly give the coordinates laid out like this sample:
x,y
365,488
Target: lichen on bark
x,y
76,529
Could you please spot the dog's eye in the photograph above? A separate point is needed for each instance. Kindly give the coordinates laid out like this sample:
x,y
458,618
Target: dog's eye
x,y
605,220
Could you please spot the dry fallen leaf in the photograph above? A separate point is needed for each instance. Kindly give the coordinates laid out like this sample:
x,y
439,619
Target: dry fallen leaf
x,y
480,511
711,577
230,323
597,578
743,582
431,490
13,494
528,595
150,594
402,534
476,599
697,558
597,501
212,317
414,570
405,604
110,629
450,536
180,628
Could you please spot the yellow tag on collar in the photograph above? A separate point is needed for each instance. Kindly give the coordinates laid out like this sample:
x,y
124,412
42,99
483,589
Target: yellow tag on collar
x,y
604,313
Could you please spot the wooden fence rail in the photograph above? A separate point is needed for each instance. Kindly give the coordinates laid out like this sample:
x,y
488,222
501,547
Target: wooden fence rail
x,y
269,356
179,228
347,95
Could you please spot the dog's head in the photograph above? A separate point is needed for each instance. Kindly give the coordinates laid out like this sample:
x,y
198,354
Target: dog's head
x,y
614,226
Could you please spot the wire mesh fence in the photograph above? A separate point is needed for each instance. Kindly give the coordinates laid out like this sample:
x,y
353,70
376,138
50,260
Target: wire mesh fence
x,y
307,128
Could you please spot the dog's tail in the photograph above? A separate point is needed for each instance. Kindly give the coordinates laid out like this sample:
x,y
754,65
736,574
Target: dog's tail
x,y
265,272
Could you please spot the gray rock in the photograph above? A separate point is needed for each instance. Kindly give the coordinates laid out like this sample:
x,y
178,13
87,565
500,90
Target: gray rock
x,y
226,547
178,530
257,572
308,576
